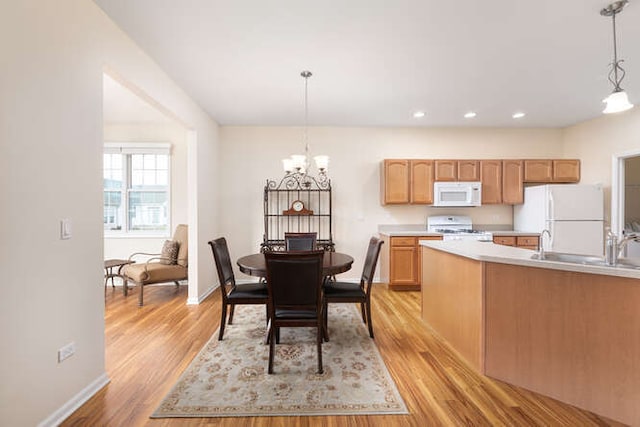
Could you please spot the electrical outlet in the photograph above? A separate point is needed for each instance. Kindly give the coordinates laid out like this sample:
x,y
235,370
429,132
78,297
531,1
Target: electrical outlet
x,y
66,351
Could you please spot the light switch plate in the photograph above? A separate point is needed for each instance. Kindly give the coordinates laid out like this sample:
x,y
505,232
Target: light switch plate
x,y
65,229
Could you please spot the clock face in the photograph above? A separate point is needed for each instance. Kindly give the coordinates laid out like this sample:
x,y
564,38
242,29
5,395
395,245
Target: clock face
x,y
297,205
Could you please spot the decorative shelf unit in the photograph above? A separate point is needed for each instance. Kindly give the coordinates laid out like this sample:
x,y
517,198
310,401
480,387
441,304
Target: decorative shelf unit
x,y
280,215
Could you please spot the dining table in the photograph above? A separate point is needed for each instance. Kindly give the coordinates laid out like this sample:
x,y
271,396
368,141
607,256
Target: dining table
x,y
332,263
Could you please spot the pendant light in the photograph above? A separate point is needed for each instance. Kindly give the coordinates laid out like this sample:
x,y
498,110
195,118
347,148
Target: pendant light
x,y
618,100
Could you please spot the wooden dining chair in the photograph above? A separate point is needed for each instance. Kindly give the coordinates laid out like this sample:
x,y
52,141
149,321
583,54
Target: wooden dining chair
x,y
345,292
300,241
294,283
232,293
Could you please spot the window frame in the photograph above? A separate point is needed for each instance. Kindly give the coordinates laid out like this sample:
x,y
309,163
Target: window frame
x,y
126,149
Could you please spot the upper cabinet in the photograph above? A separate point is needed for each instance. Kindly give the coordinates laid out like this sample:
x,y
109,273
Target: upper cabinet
x,y
512,182
411,181
394,181
421,181
547,170
491,178
406,181
457,170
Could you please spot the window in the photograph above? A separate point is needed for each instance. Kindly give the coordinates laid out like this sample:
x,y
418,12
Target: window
x,y
136,189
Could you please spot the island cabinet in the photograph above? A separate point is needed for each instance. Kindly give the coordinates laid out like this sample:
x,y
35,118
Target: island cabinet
x,y
405,181
548,170
565,332
400,262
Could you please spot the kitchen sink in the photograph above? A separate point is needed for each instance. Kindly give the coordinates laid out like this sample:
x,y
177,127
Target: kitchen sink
x,y
587,260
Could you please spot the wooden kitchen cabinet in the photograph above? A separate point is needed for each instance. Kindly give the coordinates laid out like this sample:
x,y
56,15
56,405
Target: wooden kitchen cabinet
x,y
446,170
512,182
394,181
404,262
491,179
566,170
406,181
421,181
550,170
468,170
457,170
520,241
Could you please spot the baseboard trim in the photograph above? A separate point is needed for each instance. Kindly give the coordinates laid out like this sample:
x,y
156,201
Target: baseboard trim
x,y
197,300
75,402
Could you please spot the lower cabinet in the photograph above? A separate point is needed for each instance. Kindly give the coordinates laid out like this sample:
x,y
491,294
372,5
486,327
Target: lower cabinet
x,y
401,262
520,241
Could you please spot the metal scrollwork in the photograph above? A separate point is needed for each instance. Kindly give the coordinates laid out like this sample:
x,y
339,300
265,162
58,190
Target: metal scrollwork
x,y
300,181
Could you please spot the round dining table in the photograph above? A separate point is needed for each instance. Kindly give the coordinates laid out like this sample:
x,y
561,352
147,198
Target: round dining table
x,y
333,263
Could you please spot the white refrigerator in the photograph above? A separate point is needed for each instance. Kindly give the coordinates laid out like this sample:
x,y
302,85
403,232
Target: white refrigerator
x,y
573,214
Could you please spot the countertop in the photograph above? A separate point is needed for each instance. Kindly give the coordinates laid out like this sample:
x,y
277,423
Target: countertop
x,y
489,252
421,230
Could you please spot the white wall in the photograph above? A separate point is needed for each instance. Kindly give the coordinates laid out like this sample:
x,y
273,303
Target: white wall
x,y
596,142
176,135
54,55
251,155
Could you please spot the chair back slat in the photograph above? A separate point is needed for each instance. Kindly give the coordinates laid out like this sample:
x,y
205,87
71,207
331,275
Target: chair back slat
x,y
371,260
223,263
294,279
300,241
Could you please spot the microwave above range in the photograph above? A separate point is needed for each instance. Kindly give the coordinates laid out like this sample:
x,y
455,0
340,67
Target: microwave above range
x,y
457,193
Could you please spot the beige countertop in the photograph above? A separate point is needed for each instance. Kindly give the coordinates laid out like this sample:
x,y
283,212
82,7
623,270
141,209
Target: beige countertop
x,y
489,252
421,230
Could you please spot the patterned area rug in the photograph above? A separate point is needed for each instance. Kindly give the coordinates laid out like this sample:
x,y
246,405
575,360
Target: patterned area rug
x,y
229,378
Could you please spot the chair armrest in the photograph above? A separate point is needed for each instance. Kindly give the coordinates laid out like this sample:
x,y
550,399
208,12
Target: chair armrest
x,y
142,253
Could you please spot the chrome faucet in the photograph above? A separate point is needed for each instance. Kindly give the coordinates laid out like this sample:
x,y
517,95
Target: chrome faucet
x,y
541,245
622,244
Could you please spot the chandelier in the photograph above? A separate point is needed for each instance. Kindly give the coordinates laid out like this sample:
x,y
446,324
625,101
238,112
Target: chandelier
x,y
296,167
618,100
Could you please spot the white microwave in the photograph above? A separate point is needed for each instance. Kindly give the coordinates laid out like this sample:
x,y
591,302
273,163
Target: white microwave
x,y
457,193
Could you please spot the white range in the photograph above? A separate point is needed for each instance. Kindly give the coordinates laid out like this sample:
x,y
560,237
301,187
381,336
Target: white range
x,y
456,227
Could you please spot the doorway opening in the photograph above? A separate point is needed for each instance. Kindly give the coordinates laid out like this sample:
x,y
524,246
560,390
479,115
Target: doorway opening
x,y
625,198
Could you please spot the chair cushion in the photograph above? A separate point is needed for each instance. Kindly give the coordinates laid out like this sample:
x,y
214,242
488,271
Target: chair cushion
x,y
169,252
156,273
343,290
250,290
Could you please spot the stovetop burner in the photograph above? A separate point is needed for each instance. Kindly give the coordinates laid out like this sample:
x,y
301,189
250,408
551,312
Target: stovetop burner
x,y
458,231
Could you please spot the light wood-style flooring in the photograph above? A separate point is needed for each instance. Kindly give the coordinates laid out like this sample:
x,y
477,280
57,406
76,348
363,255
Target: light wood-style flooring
x,y
149,347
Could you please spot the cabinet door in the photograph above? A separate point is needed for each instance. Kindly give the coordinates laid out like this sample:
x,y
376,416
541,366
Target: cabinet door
x,y
421,181
512,182
395,181
468,170
566,170
505,240
404,265
527,242
491,178
538,170
446,170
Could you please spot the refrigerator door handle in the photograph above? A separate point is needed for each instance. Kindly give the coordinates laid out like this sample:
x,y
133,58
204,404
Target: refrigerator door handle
x,y
550,208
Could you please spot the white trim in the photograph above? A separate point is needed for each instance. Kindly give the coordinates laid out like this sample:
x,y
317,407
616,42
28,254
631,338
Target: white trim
x,y
137,147
617,190
200,298
75,402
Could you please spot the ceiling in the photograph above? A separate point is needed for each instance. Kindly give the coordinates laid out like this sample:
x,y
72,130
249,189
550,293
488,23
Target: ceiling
x,y
375,62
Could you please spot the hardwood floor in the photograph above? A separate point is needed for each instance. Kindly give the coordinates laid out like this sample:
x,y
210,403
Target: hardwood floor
x,y
149,347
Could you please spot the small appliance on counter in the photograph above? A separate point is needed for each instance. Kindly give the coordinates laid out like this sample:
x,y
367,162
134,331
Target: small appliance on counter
x,y
456,227
573,214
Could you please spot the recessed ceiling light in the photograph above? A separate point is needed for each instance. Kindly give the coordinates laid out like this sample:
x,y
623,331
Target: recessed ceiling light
x,y
418,114
470,115
518,115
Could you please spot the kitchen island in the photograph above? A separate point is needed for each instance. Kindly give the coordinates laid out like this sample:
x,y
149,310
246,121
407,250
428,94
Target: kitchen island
x,y
564,330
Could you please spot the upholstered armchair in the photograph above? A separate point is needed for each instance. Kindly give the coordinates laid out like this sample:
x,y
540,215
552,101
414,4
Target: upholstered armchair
x,y
171,265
